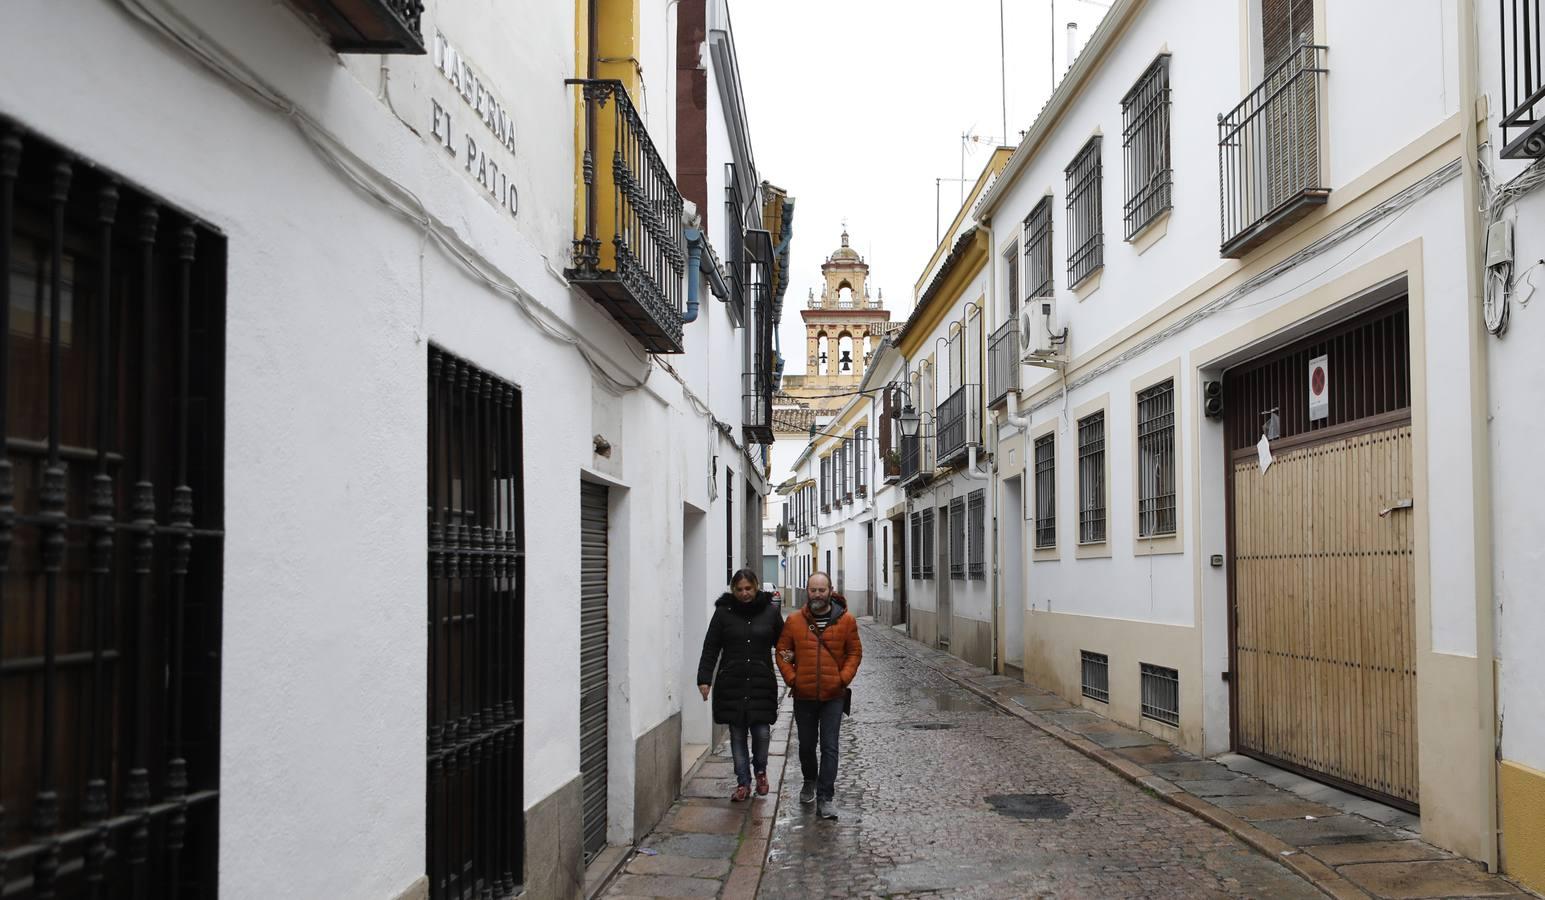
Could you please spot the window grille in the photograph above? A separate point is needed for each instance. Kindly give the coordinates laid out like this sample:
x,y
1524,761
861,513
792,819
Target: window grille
x,y
861,470
1091,479
1086,236
927,554
978,507
1161,694
1145,141
1096,675
917,546
1523,78
885,555
1038,252
729,524
112,351
476,611
1011,281
1046,491
1156,460
826,484
958,539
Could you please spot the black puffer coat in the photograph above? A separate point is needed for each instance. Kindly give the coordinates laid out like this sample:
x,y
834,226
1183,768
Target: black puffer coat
x,y
740,642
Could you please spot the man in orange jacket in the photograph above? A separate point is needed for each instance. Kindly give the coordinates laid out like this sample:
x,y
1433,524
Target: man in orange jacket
x,y
818,654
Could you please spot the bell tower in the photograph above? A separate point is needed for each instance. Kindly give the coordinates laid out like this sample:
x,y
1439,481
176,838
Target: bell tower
x,y
844,324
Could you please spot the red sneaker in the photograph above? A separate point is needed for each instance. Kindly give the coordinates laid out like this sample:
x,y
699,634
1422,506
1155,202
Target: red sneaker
x,y
742,792
761,784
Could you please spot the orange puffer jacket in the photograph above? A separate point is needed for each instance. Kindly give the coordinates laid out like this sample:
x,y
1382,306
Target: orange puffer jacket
x,y
824,662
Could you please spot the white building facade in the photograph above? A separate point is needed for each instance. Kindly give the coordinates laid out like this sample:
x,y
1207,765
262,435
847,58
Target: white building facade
x,y
340,228
1243,473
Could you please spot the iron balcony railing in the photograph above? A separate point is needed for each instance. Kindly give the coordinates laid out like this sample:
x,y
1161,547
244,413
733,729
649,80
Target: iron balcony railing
x,y
1003,362
1523,80
960,423
1270,167
759,380
630,255
911,457
368,26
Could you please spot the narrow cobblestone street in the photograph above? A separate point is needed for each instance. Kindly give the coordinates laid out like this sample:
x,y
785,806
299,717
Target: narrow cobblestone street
x,y
923,760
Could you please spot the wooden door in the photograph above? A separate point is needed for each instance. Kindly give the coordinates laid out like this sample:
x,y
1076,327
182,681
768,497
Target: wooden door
x,y
1323,577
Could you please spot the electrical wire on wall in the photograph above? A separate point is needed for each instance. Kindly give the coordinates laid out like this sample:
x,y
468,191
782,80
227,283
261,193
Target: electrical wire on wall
x,y
385,190
1501,284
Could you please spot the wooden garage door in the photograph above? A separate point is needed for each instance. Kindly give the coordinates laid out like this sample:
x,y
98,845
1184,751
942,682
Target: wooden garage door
x,y
1323,574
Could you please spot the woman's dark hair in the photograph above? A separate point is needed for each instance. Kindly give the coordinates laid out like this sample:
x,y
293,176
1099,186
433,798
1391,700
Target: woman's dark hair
x,y
744,575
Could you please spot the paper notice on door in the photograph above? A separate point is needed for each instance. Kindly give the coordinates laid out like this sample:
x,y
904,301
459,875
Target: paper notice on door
x,y
1263,450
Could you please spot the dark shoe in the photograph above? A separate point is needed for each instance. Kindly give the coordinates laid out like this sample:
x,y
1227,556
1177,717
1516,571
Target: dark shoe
x,y
742,792
826,810
807,794
761,784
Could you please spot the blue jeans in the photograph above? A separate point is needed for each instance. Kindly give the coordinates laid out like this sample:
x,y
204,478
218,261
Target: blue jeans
x,y
760,736
819,721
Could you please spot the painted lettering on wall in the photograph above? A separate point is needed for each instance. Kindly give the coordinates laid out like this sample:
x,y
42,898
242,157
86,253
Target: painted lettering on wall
x,y
498,127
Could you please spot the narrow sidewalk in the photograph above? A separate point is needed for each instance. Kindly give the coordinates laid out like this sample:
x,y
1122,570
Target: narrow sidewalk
x,y
707,846
1359,850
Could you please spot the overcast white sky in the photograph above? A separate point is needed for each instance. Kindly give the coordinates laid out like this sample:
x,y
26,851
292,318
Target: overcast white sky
x,y
857,106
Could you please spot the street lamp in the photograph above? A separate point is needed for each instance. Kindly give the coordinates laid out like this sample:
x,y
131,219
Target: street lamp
x,y
909,421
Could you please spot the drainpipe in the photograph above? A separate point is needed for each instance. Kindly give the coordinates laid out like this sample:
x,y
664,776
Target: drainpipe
x,y
694,273
1480,444
1015,419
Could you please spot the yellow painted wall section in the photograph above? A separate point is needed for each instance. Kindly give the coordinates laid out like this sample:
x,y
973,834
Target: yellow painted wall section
x,y
616,57
1521,795
941,303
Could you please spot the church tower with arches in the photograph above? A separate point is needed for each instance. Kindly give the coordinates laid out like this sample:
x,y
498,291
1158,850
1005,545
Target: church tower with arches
x,y
844,325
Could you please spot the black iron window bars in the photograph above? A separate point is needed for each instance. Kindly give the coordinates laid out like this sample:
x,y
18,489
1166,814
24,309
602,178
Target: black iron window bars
x,y
1161,694
1269,160
643,288
977,504
1003,361
917,546
1038,255
1046,491
1096,675
958,539
112,357
927,554
1156,460
1145,142
959,418
476,620
1091,479
1523,79
1086,230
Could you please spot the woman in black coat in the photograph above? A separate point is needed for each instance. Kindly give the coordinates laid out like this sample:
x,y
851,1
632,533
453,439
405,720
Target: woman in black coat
x,y
740,640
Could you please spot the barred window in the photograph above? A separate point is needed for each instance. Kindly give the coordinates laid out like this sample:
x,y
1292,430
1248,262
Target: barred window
x,y
1096,675
1038,256
1156,460
927,554
1086,233
1046,491
917,546
861,461
1161,694
958,539
1011,280
1145,141
978,507
1091,479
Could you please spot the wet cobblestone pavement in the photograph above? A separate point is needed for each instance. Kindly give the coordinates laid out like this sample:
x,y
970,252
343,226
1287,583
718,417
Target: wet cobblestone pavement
x,y
930,787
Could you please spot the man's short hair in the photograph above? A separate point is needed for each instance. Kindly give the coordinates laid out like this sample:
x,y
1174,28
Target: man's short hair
x,y
818,574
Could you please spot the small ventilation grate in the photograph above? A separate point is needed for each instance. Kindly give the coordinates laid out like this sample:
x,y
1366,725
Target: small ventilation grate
x,y
1028,806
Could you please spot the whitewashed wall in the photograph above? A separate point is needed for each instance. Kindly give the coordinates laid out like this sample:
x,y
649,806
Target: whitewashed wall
x,y
332,303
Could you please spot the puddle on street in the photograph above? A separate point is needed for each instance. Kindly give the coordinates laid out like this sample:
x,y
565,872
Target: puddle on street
x,y
951,700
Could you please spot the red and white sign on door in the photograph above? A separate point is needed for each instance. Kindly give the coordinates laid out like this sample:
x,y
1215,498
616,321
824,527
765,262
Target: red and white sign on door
x,y
1319,388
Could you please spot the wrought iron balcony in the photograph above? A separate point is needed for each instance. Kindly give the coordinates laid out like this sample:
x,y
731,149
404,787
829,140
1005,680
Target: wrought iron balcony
x,y
1270,167
911,457
630,255
368,26
760,379
1003,362
960,423
1523,81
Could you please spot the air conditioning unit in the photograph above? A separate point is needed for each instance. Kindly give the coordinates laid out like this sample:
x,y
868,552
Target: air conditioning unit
x,y
1039,339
